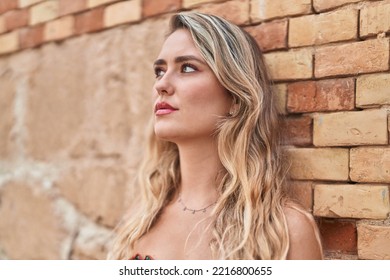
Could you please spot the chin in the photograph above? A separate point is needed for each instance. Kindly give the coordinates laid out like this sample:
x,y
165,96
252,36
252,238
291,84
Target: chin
x,y
164,134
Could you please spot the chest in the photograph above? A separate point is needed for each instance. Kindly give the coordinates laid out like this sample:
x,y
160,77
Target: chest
x,y
178,236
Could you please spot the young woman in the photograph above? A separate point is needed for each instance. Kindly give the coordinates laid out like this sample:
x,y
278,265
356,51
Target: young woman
x,y
213,182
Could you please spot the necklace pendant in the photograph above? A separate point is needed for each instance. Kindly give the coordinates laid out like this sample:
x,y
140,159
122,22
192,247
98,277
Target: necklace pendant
x,y
193,211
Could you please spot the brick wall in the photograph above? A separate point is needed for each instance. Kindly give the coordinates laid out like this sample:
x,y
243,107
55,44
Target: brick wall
x,y
75,77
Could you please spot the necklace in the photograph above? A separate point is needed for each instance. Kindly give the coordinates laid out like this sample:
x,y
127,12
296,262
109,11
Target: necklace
x,y
185,208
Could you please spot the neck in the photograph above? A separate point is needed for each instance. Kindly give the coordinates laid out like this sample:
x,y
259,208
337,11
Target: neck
x,y
199,167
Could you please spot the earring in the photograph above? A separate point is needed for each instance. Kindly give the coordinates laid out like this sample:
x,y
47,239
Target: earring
x,y
233,109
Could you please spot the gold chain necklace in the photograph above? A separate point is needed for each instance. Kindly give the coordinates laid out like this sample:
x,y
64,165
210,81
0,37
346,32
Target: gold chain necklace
x,y
185,208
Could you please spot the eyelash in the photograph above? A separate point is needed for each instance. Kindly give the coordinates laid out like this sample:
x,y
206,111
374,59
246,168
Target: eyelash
x,y
188,65
157,70
182,67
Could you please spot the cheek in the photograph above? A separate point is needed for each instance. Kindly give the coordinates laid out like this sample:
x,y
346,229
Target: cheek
x,y
153,98
154,94
219,101
208,107
210,96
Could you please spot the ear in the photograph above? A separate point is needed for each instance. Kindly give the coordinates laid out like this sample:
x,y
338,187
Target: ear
x,y
233,108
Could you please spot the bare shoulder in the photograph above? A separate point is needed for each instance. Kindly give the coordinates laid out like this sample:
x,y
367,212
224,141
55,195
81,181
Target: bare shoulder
x,y
304,237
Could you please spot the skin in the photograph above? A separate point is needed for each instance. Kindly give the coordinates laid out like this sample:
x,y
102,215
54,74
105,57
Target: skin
x,y
303,242
184,80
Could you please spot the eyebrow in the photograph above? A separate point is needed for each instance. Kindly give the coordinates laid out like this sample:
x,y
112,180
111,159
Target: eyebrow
x,y
179,59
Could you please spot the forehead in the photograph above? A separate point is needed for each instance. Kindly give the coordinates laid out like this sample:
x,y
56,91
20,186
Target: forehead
x,y
179,43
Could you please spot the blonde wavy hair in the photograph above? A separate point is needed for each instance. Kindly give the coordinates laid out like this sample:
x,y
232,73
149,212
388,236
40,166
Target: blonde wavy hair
x,y
249,218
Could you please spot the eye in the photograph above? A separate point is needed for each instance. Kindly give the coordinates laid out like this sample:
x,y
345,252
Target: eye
x,y
159,72
188,68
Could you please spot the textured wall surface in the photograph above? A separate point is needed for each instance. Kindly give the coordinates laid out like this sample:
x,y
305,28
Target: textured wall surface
x,y
75,88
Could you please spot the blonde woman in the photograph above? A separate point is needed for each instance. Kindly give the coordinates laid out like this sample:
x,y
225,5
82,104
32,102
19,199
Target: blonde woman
x,y
212,182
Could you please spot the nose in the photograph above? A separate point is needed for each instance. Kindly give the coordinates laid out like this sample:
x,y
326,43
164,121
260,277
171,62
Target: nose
x,y
164,85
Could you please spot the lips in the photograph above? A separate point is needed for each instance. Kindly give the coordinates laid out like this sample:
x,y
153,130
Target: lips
x,y
163,108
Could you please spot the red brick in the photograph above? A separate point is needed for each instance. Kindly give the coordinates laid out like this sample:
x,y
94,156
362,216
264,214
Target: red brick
x,y
90,21
328,255
96,3
59,29
72,7
338,235
193,3
16,19
29,3
373,90
374,241
326,95
153,7
370,164
353,128
302,192
2,24
290,65
321,5
9,42
270,35
280,92
329,164
7,5
43,12
235,11
122,12
31,37
323,28
298,130
357,201
266,9
352,58
375,19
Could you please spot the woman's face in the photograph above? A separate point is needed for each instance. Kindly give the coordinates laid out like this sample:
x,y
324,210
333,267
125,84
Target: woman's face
x,y
188,98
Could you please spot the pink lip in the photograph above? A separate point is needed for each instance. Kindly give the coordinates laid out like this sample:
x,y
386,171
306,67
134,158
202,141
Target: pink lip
x,y
163,108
